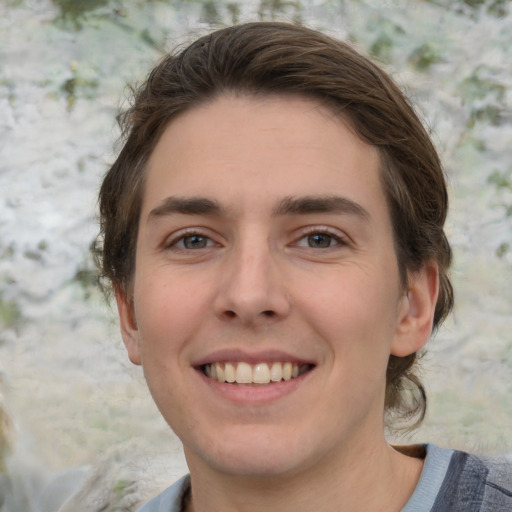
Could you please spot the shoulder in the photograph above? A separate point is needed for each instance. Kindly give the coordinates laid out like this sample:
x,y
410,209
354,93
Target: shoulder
x,y
456,481
171,499
499,477
476,483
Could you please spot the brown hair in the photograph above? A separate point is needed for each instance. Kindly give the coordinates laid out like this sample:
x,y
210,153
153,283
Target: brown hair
x,y
278,58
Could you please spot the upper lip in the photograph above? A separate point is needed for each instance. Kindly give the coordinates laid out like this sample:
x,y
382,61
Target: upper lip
x,y
251,357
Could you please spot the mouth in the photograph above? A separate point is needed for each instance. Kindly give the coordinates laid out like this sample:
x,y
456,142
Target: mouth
x,y
240,372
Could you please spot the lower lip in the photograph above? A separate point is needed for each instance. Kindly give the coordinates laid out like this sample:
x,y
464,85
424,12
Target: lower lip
x,y
256,393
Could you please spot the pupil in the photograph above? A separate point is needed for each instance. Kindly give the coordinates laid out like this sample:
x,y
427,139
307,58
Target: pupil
x,y
319,240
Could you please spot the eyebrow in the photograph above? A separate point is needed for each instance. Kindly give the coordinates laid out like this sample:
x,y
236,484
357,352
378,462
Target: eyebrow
x,y
187,206
288,206
320,204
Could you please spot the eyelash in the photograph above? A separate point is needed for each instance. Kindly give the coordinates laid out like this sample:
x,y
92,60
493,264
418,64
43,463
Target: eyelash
x,y
336,237
181,237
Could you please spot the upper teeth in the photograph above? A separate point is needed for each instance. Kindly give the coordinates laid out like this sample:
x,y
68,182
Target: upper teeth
x,y
260,373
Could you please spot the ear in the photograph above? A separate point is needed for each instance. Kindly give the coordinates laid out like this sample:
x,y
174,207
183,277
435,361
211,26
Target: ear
x,y
416,311
129,330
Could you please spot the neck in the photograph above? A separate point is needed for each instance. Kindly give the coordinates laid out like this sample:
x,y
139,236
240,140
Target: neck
x,y
372,478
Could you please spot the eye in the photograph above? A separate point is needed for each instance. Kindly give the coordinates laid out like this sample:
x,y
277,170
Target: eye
x,y
320,240
193,241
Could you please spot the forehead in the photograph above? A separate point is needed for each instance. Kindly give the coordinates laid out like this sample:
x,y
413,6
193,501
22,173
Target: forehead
x,y
250,152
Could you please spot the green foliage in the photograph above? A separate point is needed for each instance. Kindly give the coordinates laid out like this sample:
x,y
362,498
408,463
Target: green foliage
x,y
12,3
485,94
382,47
120,487
387,37
234,10
210,12
503,182
78,86
471,7
503,250
75,10
500,180
10,314
480,84
496,7
271,9
88,278
150,40
423,57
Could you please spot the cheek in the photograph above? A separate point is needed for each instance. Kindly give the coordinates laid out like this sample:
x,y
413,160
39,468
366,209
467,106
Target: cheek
x,y
170,307
356,312
164,318
160,315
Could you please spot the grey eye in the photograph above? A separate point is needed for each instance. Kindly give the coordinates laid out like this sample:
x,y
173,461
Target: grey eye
x,y
195,242
320,240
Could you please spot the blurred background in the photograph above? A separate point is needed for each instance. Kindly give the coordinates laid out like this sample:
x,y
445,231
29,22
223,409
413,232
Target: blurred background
x,y
65,380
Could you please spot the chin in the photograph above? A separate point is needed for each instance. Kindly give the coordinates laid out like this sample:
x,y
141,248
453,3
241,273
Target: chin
x,y
256,466
258,456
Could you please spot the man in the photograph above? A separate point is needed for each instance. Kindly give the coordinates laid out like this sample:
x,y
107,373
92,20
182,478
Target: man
x,y
273,232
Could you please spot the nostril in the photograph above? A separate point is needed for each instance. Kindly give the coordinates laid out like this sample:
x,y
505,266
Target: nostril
x,y
230,314
269,313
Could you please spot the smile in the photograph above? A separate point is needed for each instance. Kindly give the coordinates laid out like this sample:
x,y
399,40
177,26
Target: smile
x,y
260,373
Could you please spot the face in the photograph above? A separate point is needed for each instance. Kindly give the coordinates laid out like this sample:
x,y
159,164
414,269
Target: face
x,y
266,294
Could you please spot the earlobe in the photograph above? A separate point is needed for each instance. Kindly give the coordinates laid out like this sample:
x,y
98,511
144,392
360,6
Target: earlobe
x,y
416,311
129,330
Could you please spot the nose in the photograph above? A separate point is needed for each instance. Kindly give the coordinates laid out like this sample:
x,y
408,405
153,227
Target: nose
x,y
251,289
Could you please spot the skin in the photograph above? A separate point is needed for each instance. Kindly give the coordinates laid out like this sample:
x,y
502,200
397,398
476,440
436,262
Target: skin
x,y
255,272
